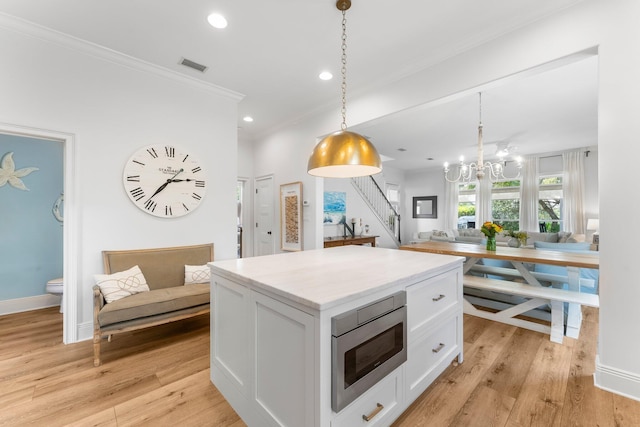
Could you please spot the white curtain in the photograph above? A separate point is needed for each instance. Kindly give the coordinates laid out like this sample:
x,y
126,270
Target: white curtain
x,y
529,194
451,203
483,200
573,192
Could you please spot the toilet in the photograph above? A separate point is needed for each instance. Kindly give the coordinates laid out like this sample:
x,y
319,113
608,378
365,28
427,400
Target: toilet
x,y
56,287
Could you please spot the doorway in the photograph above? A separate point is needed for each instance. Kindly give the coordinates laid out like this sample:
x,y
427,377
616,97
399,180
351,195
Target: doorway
x,y
68,250
264,216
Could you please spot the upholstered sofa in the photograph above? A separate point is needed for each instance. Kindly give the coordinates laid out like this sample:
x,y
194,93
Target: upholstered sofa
x,y
148,287
474,235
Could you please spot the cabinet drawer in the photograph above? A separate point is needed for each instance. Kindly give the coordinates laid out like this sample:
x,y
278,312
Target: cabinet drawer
x,y
382,397
431,297
430,355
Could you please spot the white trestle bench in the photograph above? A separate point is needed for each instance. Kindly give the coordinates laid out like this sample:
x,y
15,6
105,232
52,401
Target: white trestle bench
x,y
538,295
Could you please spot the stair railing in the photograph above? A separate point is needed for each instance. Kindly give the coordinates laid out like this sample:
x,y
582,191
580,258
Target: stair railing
x,y
373,195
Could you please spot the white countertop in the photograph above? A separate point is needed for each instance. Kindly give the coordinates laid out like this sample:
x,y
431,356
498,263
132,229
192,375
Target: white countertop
x,y
323,278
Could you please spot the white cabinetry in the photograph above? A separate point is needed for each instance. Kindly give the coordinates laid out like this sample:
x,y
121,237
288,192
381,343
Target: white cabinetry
x,y
283,351
230,348
434,314
271,331
267,355
379,406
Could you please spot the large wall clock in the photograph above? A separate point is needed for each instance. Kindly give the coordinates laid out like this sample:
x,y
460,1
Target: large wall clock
x,y
166,181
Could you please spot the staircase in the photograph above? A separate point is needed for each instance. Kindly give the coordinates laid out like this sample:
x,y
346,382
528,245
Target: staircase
x,y
373,195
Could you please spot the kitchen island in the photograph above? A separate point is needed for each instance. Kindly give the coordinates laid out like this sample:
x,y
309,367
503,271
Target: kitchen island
x,y
271,330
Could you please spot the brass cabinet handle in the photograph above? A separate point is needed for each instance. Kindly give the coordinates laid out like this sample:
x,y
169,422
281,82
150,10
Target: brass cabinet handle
x,y
438,348
438,298
373,413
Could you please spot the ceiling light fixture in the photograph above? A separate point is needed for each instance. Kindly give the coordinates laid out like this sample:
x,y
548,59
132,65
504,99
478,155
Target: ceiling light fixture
x,y
325,75
495,170
217,21
344,154
248,119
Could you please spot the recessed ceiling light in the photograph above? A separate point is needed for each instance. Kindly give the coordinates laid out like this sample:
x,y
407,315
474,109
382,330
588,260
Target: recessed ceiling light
x,y
247,119
217,21
325,75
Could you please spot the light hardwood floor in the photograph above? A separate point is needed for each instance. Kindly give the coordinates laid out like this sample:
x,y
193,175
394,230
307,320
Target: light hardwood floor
x,y
160,377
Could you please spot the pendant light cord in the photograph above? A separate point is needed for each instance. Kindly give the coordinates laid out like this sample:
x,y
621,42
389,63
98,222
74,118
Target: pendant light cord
x,y
344,70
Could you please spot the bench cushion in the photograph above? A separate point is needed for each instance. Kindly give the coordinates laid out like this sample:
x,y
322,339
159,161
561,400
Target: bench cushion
x,y
154,302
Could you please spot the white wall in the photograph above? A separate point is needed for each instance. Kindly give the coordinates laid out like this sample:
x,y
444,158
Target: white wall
x,y
612,28
419,184
111,107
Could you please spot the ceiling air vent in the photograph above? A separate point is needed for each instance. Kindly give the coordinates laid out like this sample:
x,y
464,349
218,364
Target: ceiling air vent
x,y
194,65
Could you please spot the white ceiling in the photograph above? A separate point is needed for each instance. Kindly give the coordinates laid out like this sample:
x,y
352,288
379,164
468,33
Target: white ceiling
x,y
273,51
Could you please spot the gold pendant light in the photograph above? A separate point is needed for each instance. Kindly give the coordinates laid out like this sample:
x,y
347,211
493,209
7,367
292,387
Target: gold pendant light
x,y
344,154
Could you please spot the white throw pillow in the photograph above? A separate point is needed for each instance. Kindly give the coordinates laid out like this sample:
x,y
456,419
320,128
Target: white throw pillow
x,y
196,274
122,284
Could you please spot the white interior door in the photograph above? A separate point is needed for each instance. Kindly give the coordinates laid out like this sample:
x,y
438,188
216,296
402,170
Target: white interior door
x,y
264,216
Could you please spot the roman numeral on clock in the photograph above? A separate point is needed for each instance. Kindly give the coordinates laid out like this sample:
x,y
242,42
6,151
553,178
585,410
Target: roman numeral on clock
x,y
150,205
133,178
185,207
168,211
137,193
196,169
170,151
200,184
196,196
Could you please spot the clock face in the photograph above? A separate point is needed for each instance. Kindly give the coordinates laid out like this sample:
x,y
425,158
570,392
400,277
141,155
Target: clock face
x,y
166,181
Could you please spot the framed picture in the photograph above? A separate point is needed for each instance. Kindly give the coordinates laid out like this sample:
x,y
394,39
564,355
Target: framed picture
x,y
291,216
335,207
425,207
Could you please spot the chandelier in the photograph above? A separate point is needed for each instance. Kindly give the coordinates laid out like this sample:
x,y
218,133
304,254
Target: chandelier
x,y
344,154
470,171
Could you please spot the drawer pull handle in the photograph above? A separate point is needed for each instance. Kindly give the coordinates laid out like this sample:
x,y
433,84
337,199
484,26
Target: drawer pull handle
x,y
438,348
375,412
438,298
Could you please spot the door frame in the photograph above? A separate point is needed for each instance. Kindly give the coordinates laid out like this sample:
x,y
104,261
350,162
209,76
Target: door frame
x,y
70,232
247,216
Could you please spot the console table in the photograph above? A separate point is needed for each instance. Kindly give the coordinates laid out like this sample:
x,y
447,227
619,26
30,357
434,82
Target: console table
x,y
330,242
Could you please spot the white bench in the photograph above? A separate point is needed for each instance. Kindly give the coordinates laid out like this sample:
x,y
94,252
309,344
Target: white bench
x,y
538,295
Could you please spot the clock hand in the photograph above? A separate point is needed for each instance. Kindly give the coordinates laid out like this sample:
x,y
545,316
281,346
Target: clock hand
x,y
163,186
181,180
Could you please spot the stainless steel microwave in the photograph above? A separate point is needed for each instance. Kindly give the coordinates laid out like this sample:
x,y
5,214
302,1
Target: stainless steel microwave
x,y
367,344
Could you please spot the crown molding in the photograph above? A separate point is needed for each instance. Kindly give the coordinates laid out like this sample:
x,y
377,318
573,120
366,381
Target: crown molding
x,y
26,28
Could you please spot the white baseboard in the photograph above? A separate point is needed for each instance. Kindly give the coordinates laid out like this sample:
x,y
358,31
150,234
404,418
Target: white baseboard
x,y
85,331
617,381
19,305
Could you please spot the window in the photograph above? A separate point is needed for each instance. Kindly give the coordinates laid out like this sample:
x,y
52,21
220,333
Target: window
x,y
467,205
393,195
550,197
505,204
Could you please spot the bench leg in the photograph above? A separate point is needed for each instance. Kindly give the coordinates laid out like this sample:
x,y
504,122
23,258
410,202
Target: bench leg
x,y
557,321
574,314
96,350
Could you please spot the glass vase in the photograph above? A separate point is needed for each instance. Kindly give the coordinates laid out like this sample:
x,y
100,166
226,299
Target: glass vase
x,y
491,243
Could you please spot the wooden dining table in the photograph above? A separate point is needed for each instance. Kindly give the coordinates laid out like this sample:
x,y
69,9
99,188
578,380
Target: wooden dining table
x,y
519,258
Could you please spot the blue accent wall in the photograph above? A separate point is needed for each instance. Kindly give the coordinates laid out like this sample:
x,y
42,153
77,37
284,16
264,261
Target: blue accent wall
x,y
31,245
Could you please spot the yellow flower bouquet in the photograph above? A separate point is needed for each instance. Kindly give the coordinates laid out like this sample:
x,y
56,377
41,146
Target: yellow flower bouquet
x,y
490,229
